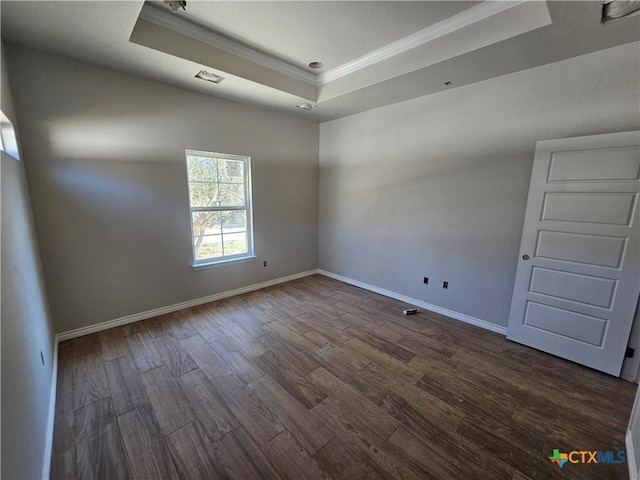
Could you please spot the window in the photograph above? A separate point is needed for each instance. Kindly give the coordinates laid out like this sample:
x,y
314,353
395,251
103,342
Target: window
x,y
220,205
8,142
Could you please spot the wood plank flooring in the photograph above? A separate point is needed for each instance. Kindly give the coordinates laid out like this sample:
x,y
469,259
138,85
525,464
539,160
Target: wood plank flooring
x,y
318,379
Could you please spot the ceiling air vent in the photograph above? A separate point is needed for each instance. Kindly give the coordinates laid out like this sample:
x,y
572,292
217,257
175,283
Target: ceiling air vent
x,y
175,5
209,77
616,9
307,106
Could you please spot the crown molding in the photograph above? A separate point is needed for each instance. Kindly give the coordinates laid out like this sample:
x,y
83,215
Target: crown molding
x,y
463,19
175,23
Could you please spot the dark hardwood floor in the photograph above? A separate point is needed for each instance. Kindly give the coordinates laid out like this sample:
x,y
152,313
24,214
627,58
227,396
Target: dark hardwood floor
x,y
318,379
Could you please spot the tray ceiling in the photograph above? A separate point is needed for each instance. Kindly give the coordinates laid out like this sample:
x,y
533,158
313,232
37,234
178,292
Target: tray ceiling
x,y
374,53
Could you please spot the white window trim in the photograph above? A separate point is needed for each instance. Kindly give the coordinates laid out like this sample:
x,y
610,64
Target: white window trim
x,y
248,208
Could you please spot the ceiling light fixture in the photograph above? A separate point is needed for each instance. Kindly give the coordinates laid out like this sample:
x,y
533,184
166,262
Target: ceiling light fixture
x,y
175,5
617,9
316,65
209,77
307,106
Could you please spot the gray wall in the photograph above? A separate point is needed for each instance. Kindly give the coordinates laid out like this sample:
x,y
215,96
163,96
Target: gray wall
x,y
437,186
26,326
106,170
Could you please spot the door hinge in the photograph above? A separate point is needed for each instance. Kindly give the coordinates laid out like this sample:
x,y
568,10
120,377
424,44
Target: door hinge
x,y
629,352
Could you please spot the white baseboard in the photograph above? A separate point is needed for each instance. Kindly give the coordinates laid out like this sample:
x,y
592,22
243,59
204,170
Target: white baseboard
x,y
79,332
48,445
631,456
419,303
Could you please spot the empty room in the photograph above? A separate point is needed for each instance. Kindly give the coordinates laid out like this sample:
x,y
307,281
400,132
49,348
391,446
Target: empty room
x,y
320,240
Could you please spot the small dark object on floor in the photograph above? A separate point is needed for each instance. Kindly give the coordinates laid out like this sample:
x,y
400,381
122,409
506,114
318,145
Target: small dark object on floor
x,y
410,311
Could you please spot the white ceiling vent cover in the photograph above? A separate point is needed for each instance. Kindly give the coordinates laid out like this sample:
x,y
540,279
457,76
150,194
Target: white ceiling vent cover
x,y
616,9
209,77
307,106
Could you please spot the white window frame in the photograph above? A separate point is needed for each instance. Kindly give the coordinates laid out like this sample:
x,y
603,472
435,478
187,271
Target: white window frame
x,y
247,208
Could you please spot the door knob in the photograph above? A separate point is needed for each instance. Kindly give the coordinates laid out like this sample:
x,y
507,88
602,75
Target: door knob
x,y
525,257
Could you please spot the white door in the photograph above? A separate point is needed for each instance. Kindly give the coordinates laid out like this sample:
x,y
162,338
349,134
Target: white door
x,y
578,273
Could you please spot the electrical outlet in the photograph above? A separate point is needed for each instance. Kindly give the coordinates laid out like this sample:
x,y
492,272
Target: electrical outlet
x,y
264,264
445,285
42,357
425,280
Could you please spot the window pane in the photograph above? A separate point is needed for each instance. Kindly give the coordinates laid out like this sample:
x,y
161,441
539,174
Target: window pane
x,y
231,171
218,185
235,243
234,221
206,223
208,247
203,194
202,169
231,194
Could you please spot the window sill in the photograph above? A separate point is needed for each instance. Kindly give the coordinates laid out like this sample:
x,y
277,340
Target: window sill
x,y
218,263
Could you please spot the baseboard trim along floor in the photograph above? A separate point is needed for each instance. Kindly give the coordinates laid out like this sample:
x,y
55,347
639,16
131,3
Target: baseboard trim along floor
x,y
98,327
419,303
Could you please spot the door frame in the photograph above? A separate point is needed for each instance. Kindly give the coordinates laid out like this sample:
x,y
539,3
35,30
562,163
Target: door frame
x,y
631,366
